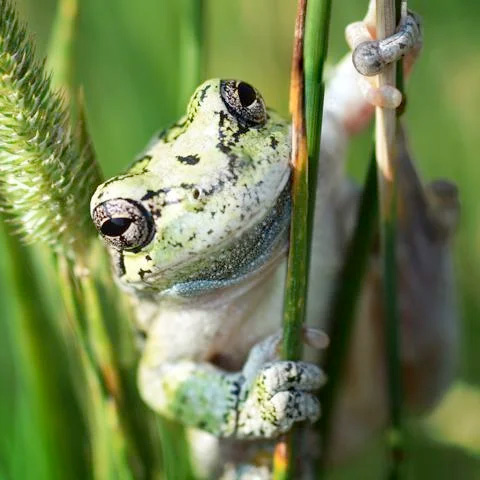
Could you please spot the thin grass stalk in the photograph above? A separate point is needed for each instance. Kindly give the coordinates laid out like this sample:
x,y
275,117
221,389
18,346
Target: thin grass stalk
x,y
317,28
342,309
91,345
297,270
191,55
385,135
52,382
137,424
306,104
111,439
62,41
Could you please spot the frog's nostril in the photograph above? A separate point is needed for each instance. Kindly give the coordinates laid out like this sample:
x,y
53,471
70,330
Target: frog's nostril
x,y
124,224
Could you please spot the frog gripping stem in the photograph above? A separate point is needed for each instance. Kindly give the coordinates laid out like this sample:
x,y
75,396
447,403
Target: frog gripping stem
x,y
370,58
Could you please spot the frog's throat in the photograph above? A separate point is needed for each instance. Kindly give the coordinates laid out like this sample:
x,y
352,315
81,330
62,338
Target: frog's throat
x,y
253,251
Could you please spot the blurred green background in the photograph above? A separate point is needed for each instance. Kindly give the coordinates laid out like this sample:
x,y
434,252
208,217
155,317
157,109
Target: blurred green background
x,y
127,60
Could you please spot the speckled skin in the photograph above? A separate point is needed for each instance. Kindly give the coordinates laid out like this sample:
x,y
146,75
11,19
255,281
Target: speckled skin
x,y
208,285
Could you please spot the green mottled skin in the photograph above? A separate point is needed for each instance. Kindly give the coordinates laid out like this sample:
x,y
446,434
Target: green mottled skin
x,y
207,279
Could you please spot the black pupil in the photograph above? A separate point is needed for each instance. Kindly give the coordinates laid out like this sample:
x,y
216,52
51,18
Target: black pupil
x,y
115,226
246,94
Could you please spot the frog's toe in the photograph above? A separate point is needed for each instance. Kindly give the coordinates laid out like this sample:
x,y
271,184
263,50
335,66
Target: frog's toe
x,y
286,375
294,406
385,96
284,394
269,349
280,395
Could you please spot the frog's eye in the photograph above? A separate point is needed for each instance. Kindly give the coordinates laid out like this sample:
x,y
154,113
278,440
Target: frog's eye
x,y
124,224
243,101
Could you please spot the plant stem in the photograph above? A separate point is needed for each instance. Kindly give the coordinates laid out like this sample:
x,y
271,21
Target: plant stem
x,y
297,270
342,309
315,54
191,48
306,103
62,40
385,135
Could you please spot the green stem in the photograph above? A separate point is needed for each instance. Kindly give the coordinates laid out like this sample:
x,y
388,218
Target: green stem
x,y
306,100
388,13
62,40
315,55
191,57
342,310
40,336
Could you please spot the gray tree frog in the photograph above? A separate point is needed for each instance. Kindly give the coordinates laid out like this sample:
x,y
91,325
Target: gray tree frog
x,y
198,231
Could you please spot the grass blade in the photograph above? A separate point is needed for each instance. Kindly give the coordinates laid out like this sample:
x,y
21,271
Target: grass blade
x,y
306,102
385,137
342,310
191,48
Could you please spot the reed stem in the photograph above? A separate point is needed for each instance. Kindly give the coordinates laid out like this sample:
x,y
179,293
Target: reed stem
x,y
385,138
306,103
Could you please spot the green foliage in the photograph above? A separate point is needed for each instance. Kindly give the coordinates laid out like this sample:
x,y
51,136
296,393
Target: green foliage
x,y
47,175
127,60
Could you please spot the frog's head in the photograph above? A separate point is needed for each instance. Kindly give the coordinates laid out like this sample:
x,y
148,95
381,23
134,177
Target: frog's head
x,y
207,203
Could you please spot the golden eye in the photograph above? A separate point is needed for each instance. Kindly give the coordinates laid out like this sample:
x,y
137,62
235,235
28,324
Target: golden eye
x,y
243,101
124,224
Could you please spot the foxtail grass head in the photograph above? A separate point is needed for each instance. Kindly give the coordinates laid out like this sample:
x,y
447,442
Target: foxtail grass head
x,y
47,170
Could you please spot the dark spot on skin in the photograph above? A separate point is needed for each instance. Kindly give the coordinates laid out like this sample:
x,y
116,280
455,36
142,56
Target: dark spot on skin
x,y
273,142
210,232
175,244
148,258
119,262
192,237
196,194
142,273
141,334
203,94
189,159
153,193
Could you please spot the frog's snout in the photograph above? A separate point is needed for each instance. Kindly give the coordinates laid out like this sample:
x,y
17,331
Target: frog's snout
x,y
124,224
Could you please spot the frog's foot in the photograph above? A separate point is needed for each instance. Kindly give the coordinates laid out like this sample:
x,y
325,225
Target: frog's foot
x,y
278,393
370,56
444,206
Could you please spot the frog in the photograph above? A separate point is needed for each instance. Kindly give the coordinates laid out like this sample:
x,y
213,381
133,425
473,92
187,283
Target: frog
x,y
198,230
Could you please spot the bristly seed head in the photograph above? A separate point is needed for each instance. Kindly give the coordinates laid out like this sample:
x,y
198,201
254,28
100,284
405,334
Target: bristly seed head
x,y
47,172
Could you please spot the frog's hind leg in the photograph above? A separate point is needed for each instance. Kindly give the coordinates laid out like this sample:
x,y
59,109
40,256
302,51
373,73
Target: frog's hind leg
x,y
427,219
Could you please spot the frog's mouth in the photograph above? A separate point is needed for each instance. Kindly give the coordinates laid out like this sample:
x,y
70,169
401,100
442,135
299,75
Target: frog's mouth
x,y
256,248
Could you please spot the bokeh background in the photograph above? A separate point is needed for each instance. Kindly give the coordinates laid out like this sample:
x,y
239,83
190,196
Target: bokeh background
x,y
127,61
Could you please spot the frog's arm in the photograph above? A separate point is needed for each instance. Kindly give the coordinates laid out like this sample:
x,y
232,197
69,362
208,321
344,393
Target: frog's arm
x,y
261,401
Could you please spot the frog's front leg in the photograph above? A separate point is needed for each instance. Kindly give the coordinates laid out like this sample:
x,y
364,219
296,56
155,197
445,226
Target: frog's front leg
x,y
261,401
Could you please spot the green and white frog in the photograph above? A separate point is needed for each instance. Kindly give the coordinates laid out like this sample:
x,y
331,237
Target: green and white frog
x,y
198,231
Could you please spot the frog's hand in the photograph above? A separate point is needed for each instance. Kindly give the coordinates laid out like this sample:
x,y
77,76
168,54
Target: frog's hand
x,y
262,401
